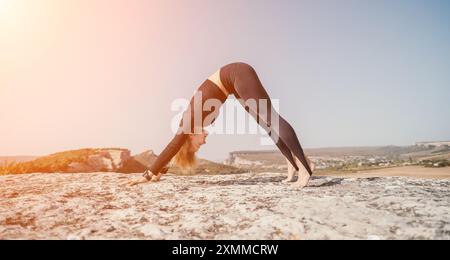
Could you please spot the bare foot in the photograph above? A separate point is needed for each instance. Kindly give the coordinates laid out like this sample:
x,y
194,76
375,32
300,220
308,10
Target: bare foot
x,y
291,172
303,174
303,179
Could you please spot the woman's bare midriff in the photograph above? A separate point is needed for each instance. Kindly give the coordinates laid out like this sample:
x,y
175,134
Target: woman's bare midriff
x,y
215,78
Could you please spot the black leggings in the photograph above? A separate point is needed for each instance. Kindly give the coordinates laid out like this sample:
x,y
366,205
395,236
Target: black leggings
x,y
247,87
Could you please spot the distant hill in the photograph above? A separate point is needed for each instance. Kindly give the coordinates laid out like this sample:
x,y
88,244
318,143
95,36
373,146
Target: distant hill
x,y
273,159
204,166
390,151
209,167
102,160
394,151
120,160
146,158
82,160
9,159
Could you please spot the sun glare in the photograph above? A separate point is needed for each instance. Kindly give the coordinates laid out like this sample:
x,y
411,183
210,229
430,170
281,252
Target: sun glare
x,y
5,4
6,8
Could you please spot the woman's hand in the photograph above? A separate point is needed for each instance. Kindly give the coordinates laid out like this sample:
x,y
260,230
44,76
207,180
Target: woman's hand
x,y
148,176
138,181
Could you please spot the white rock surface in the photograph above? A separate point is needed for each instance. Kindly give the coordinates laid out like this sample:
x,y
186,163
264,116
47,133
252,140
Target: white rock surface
x,y
245,206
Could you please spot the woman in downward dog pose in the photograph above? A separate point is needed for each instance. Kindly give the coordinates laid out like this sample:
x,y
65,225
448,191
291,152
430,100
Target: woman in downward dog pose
x,y
241,80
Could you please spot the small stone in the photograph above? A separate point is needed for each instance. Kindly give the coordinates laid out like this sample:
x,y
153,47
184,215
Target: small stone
x,y
111,229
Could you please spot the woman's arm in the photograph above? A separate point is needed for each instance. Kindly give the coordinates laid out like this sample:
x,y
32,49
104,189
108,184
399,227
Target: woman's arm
x,y
168,153
159,166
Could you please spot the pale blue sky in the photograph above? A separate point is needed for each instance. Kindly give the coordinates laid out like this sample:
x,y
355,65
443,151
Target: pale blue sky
x,y
347,73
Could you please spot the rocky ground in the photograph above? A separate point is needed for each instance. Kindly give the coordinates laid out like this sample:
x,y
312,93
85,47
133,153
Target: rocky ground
x,y
242,206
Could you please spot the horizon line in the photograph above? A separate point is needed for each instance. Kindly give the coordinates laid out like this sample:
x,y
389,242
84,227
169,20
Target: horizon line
x,y
261,150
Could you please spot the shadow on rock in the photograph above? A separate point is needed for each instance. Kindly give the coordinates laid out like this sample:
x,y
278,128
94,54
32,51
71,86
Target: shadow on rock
x,y
327,183
250,181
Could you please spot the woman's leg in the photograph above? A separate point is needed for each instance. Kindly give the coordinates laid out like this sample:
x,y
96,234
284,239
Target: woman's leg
x,y
248,88
284,149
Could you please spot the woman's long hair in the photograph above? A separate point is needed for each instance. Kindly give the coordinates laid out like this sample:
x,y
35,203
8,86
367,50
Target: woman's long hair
x,y
186,159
